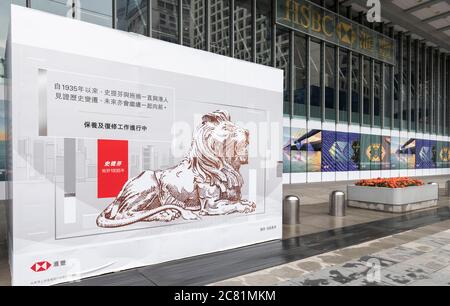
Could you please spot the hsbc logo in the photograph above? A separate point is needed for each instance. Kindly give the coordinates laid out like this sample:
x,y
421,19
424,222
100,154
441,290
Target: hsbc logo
x,y
41,266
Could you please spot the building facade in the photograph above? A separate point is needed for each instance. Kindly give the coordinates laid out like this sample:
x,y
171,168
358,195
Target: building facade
x,y
361,99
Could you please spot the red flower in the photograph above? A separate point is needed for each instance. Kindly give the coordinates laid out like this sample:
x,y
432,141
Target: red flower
x,y
396,182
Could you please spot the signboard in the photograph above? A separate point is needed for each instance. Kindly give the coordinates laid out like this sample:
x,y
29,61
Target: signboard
x,y
147,153
316,21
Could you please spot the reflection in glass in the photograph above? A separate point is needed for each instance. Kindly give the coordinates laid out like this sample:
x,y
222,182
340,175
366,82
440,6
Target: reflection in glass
x,y
367,84
387,95
132,16
355,90
194,24
404,113
413,89
220,26
330,83
165,20
420,90
428,92
243,29
300,73
377,95
263,32
343,85
58,7
282,62
397,86
98,12
315,68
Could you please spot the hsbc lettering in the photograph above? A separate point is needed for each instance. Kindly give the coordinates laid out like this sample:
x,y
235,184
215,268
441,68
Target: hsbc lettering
x,y
314,20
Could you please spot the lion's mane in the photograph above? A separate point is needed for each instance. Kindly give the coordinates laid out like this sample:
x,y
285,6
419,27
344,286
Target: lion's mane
x,y
207,159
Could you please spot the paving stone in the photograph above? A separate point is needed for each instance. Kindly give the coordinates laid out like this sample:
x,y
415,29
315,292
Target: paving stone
x,y
398,254
287,284
403,277
363,282
419,246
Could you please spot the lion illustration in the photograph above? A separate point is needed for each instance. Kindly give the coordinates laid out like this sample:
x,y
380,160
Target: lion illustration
x,y
206,182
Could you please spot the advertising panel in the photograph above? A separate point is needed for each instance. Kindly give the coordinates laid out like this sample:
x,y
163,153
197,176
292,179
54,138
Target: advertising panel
x,y
129,151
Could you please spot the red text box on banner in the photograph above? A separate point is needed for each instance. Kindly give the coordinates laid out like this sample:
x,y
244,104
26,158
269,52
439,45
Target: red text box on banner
x,y
112,167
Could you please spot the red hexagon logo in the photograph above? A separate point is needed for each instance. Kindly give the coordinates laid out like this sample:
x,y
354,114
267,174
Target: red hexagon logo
x,y
41,266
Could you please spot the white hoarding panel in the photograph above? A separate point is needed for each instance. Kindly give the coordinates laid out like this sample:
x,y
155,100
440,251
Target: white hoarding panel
x,y
129,151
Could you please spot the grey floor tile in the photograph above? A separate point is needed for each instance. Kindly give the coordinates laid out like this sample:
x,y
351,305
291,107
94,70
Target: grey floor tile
x,y
402,278
124,278
398,254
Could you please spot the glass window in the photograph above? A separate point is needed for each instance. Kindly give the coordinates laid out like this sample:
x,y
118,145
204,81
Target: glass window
x,y
98,12
315,68
405,86
220,26
413,87
300,73
132,16
282,62
165,20
58,7
442,101
355,89
330,83
419,90
436,92
387,95
263,32
397,86
343,85
243,29
377,95
4,27
367,85
447,100
428,92
194,24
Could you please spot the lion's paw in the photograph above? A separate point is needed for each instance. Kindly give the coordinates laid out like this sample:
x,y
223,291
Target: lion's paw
x,y
168,215
248,206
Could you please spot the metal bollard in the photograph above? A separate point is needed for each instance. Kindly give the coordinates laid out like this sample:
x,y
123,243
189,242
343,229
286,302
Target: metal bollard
x,y
291,210
337,204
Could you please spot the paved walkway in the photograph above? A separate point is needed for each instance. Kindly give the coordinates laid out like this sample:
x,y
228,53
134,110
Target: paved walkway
x,y
414,258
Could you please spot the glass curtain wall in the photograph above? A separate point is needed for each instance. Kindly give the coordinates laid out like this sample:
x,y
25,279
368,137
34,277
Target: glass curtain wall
x,y
132,16
243,30
194,18
397,85
356,99
282,62
330,83
300,75
413,89
404,86
220,26
264,32
98,12
377,95
428,92
315,71
343,85
387,96
367,86
165,20
420,90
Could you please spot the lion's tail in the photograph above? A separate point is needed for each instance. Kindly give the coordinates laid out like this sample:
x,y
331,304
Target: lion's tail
x,y
102,221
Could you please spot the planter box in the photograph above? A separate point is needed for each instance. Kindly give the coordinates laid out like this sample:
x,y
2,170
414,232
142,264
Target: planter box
x,y
397,200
